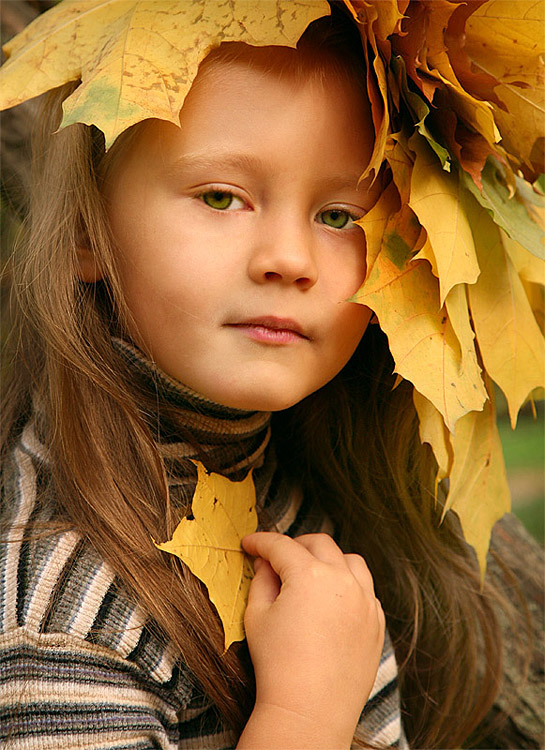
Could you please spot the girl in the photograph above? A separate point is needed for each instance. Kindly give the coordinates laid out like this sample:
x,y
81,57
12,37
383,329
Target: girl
x,y
171,294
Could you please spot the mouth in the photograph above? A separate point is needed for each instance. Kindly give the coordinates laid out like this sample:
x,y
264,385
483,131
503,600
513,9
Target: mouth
x,y
272,330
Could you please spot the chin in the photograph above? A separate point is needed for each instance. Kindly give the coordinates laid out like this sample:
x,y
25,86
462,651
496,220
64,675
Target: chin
x,y
262,399
259,403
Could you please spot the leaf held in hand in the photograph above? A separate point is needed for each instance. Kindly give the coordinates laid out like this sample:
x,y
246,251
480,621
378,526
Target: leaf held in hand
x,y
209,544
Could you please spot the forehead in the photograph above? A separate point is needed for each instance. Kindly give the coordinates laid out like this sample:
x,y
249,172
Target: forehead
x,y
266,99
226,89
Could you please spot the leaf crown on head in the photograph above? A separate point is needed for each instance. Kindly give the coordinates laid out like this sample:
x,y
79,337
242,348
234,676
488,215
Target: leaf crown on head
x,y
455,242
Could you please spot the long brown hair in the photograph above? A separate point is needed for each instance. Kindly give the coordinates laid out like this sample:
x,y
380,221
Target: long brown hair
x,y
354,446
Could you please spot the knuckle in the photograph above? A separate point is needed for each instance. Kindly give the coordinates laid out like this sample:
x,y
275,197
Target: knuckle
x,y
321,536
347,586
357,565
356,559
318,538
316,570
360,569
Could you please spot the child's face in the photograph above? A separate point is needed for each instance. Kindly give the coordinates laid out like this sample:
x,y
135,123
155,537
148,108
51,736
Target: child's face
x,y
237,247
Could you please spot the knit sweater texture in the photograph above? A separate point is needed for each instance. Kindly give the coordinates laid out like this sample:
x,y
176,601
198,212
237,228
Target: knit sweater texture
x,y
81,664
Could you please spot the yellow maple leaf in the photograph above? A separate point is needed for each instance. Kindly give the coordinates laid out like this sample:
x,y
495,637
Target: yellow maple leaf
x,y
374,224
400,160
376,21
137,59
472,458
422,341
438,200
505,38
536,298
432,430
223,512
477,114
456,305
434,55
428,62
510,342
379,112
379,19
478,490
404,295
528,266
426,253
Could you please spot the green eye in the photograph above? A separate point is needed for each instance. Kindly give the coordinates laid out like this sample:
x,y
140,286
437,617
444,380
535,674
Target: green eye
x,y
335,218
217,199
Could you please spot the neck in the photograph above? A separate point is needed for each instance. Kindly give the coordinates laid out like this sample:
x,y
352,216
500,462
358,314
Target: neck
x,y
186,426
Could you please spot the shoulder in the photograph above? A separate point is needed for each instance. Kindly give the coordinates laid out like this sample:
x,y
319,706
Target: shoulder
x,y
51,579
73,643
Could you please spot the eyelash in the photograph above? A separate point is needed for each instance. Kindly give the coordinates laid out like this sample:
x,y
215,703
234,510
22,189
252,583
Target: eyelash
x,y
352,216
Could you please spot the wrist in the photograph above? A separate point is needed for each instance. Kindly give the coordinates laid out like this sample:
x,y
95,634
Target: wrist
x,y
270,727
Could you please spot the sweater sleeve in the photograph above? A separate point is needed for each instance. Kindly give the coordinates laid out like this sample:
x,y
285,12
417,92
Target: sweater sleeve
x,y
60,691
64,691
380,721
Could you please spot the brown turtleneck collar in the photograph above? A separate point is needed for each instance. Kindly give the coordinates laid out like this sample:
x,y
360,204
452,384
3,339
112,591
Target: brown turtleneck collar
x,y
186,426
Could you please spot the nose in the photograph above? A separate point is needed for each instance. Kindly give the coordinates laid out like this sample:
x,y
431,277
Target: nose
x,y
284,252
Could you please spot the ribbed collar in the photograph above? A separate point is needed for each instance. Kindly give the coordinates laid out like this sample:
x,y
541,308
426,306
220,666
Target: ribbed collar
x,y
188,426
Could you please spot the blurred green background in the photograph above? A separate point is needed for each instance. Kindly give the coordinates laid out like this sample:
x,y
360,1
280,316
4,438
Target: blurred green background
x,y
524,452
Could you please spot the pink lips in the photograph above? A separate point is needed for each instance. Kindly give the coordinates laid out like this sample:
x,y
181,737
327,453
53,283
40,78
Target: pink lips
x,y
271,330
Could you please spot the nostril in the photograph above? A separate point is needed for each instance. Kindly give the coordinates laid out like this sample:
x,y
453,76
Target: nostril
x,y
304,282
272,275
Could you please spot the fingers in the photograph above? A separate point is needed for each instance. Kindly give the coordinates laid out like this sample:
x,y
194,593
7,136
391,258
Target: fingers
x,y
265,584
283,553
358,567
322,547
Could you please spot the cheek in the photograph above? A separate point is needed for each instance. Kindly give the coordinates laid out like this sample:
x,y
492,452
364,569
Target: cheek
x,y
359,266
346,267
347,330
360,315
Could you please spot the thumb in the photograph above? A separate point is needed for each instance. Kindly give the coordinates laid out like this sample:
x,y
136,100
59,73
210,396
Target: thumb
x,y
265,585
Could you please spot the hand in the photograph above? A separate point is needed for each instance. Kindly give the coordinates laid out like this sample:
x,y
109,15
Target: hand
x,y
315,631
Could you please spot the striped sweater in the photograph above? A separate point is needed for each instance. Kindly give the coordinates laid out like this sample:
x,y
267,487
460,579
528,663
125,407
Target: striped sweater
x,y
81,665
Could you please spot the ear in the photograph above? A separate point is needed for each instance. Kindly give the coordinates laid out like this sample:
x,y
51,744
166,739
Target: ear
x,y
88,268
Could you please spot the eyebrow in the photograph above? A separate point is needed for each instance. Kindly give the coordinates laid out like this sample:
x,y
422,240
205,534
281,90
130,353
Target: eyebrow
x,y
216,161
253,164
